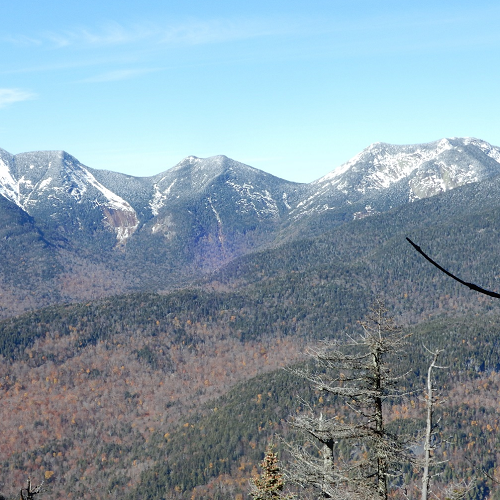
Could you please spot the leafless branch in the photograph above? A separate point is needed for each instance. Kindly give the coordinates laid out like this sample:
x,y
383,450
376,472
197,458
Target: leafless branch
x,y
29,492
472,286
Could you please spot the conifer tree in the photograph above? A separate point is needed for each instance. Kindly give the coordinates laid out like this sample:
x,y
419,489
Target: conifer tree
x,y
269,485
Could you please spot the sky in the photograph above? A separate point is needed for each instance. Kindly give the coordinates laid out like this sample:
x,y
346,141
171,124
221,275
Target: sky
x,y
291,87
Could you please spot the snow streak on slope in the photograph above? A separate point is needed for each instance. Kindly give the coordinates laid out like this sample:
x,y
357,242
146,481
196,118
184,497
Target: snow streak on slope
x,y
50,181
251,200
8,186
118,214
387,164
159,197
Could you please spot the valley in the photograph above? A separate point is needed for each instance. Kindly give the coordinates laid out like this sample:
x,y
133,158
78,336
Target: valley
x,y
147,321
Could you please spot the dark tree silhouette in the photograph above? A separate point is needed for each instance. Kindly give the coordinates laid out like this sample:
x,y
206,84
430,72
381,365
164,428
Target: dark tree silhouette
x,y
29,492
472,286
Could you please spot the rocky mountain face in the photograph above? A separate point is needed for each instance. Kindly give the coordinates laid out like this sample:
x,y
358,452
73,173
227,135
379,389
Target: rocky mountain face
x,y
56,188
391,175
151,232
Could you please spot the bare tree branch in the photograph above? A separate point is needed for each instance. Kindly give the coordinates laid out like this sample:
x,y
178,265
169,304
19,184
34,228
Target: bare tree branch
x,y
472,286
30,492
359,372
431,426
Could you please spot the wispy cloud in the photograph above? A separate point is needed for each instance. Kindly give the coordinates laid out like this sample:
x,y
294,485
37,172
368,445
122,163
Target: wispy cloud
x,y
192,32
222,30
10,96
22,40
122,74
109,34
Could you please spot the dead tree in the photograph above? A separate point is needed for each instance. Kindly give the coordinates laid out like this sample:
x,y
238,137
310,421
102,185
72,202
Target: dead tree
x,y
357,372
29,492
460,490
430,431
455,491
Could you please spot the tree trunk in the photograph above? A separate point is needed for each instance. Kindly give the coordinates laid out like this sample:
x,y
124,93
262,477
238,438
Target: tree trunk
x,y
428,432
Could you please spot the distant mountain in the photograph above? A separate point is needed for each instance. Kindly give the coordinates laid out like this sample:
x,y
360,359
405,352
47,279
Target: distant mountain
x,y
106,232
54,186
392,175
57,189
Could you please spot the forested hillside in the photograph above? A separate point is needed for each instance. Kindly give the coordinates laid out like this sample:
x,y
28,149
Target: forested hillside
x,y
99,394
84,234
102,402
175,394
459,229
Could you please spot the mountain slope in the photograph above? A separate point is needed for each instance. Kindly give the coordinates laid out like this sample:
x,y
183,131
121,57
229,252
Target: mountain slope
x,y
391,175
459,228
108,394
112,396
109,233
46,183
62,193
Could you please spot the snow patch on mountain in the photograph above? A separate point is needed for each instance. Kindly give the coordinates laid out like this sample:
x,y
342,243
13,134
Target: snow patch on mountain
x,y
159,197
44,184
47,180
85,178
285,201
492,151
383,165
217,216
250,200
118,214
406,172
380,176
8,186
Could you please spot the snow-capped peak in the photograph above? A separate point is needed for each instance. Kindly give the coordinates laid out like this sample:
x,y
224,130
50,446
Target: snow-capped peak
x,y
412,171
50,180
54,184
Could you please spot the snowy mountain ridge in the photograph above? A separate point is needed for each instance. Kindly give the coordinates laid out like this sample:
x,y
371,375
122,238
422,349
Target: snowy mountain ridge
x,y
404,173
70,231
54,180
218,194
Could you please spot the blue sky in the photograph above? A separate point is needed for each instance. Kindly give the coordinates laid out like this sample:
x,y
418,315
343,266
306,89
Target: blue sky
x,y
294,88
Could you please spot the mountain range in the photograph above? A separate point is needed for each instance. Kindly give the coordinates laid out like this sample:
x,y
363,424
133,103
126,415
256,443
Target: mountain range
x,y
174,390
87,233
54,187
